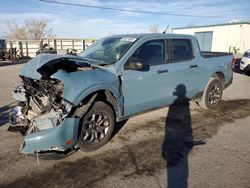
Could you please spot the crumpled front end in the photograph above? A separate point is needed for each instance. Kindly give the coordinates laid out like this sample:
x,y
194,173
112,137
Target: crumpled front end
x,y
42,116
52,88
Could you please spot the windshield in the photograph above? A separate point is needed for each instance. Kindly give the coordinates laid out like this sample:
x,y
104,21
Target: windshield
x,y
108,50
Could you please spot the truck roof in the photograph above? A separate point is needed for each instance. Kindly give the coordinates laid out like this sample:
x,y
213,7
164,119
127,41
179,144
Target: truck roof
x,y
149,35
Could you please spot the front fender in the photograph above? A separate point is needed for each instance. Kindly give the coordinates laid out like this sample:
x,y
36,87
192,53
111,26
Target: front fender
x,y
78,85
94,89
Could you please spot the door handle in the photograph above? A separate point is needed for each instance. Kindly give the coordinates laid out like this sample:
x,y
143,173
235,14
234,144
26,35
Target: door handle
x,y
193,66
160,71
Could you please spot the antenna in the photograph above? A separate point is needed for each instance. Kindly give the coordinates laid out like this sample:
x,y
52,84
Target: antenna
x,y
166,30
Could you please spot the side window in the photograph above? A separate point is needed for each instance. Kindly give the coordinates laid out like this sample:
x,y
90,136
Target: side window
x,y
151,52
182,49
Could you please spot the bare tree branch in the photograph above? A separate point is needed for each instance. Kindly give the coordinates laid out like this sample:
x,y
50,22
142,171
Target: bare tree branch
x,y
32,29
154,28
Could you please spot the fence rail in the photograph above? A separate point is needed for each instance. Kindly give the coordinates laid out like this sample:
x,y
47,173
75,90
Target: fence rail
x,y
30,47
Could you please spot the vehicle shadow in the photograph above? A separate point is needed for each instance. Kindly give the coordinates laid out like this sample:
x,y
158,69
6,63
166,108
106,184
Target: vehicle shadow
x,y
178,140
118,127
4,113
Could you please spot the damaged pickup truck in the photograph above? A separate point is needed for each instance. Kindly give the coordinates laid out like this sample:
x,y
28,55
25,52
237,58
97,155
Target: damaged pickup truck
x,y
68,102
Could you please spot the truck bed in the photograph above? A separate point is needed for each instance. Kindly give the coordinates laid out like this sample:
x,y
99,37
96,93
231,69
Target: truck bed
x,y
206,54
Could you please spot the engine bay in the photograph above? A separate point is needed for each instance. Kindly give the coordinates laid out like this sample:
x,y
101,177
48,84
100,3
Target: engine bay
x,y
40,107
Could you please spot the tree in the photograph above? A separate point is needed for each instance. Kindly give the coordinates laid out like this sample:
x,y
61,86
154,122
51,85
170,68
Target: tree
x,y
31,29
154,28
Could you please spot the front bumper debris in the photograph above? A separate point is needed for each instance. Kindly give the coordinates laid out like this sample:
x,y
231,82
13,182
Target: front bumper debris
x,y
59,138
17,121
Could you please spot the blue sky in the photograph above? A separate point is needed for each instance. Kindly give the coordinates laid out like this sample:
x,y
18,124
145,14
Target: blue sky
x,y
80,22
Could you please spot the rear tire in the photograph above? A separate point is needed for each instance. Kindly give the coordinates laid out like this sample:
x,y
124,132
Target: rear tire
x,y
212,94
96,127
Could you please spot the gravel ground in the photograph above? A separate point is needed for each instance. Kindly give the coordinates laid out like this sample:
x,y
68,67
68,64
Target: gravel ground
x,y
163,148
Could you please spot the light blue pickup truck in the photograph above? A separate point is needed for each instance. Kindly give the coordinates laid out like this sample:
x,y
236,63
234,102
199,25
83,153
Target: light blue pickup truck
x,y
68,102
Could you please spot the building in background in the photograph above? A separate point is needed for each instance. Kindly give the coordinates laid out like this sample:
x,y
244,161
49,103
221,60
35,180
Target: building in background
x,y
230,37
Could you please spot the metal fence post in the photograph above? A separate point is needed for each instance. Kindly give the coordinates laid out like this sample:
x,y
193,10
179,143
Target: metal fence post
x,y
27,49
83,44
55,45
61,44
21,48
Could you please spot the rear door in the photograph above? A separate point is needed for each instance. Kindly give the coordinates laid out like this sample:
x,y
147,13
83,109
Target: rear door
x,y
186,70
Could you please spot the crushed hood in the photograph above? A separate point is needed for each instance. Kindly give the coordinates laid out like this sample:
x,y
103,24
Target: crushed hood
x,y
30,69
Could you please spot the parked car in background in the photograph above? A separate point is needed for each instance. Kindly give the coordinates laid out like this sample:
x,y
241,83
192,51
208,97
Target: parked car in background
x,y
236,64
245,62
69,101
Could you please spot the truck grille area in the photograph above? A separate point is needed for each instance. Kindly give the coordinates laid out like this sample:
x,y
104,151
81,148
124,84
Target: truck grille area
x,y
40,107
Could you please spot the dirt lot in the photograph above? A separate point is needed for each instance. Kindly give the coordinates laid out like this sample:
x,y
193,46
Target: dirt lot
x,y
177,147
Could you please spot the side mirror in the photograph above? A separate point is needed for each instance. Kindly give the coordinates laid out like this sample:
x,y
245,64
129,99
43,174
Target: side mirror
x,y
136,64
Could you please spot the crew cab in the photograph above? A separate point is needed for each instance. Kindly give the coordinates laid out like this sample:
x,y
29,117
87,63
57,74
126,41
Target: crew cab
x,y
68,102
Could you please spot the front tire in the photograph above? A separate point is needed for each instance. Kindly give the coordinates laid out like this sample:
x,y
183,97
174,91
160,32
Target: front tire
x,y
96,127
212,94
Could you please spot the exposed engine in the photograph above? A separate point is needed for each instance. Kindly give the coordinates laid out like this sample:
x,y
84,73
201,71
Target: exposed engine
x,y
41,105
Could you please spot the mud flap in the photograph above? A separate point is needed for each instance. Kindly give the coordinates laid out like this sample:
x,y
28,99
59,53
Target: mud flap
x,y
60,138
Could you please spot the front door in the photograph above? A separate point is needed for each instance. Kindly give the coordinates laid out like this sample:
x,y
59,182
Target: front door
x,y
144,90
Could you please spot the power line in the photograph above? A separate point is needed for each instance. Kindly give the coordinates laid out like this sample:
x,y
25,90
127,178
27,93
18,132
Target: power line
x,y
137,11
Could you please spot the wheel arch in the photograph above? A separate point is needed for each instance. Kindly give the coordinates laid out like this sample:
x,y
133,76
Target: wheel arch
x,y
101,94
203,100
221,76
217,72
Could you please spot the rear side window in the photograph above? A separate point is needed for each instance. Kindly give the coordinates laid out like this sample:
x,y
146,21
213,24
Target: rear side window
x,y
182,49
